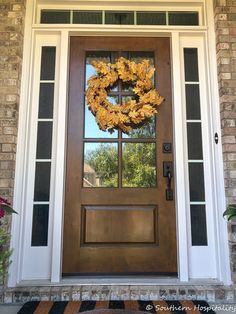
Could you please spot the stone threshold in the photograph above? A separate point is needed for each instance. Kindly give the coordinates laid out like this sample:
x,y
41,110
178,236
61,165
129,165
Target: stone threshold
x,y
211,293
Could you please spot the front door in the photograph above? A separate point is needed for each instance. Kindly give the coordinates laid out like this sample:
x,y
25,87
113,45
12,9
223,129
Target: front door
x,y
119,207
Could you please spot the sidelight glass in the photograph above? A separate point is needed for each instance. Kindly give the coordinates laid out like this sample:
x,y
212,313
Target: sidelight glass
x,y
100,165
48,63
46,97
191,64
192,102
40,225
198,225
196,181
194,131
42,181
139,165
44,140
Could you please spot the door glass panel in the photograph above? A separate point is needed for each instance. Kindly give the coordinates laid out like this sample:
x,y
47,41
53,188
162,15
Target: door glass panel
x,y
91,128
100,165
148,130
139,56
139,165
99,56
122,163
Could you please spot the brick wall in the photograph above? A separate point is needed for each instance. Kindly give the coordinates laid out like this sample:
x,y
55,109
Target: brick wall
x,y
11,44
225,22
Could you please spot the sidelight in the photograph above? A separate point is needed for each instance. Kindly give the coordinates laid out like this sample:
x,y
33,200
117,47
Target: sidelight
x,y
195,150
43,148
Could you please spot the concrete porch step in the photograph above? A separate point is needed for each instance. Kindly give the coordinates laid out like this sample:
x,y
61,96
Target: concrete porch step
x,y
210,293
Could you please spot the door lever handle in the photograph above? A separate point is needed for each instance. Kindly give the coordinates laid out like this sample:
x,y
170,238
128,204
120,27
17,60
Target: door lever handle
x,y
169,176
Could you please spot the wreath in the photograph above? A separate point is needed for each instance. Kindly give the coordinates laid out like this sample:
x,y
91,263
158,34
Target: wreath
x,y
128,115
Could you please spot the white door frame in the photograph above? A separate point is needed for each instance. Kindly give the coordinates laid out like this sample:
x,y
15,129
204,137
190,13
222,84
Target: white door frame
x,y
204,39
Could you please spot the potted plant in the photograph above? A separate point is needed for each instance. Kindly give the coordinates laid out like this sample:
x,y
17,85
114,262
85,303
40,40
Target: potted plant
x,y
5,252
230,211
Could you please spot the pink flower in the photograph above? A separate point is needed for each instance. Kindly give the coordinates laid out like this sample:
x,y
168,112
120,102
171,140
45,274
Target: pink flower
x,y
2,213
4,201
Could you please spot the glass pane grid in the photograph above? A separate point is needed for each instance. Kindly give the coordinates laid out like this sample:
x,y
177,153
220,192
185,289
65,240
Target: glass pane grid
x,y
186,18
108,158
39,235
195,149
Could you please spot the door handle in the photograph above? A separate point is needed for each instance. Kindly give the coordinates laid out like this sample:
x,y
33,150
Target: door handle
x,y
169,176
168,173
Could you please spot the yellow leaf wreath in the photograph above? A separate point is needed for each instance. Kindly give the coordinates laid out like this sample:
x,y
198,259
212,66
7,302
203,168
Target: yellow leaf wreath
x,y
128,115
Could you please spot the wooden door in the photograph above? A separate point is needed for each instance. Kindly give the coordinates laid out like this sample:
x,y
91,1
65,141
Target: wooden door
x,y
117,219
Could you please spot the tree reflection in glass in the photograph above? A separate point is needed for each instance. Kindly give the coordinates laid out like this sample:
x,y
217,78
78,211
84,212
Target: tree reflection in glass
x,y
100,165
138,165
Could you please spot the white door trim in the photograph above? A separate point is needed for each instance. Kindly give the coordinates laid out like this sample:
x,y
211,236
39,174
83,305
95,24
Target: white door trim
x,y
20,198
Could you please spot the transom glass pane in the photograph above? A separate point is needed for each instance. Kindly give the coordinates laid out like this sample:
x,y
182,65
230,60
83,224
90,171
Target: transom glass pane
x,y
87,17
122,18
151,18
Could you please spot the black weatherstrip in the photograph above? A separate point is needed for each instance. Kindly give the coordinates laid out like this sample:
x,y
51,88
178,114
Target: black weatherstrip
x,y
29,307
58,307
116,305
146,306
87,306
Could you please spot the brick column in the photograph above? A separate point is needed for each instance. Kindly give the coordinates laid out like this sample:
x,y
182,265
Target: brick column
x,y
11,46
225,23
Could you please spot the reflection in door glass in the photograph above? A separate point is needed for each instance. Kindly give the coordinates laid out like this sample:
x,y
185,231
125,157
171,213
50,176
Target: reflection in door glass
x,y
100,165
139,165
147,130
91,128
100,56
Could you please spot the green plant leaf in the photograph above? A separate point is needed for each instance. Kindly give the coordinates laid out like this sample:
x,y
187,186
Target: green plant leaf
x,y
230,211
8,209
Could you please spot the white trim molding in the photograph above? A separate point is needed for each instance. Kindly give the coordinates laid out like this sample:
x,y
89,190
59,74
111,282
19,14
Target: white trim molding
x,y
44,263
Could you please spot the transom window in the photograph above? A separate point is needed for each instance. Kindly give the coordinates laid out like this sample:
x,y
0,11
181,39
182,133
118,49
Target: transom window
x,y
183,18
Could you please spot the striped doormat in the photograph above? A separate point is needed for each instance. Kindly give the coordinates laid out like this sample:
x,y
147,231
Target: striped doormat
x,y
132,307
